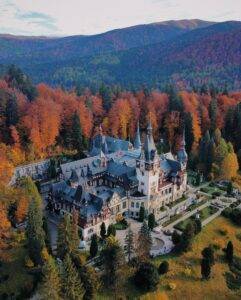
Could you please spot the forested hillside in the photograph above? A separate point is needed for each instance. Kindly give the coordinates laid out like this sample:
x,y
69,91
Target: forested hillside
x,y
186,53
38,122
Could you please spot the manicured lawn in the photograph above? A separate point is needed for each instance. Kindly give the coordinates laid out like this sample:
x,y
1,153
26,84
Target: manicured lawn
x,y
212,189
196,205
120,226
204,214
172,219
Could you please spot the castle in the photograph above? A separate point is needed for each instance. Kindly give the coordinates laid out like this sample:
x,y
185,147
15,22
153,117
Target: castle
x,y
117,179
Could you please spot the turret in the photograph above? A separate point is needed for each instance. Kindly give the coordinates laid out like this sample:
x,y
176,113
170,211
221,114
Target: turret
x,y
149,145
137,141
182,154
148,166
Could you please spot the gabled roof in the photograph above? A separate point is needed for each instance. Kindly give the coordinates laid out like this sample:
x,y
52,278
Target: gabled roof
x,y
118,169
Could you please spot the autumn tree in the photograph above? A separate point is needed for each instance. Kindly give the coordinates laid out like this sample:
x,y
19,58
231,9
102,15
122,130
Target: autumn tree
x,y
230,166
21,208
68,239
72,287
91,282
144,242
51,285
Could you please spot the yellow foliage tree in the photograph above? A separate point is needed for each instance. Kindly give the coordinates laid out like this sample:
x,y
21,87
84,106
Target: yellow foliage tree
x,y
230,166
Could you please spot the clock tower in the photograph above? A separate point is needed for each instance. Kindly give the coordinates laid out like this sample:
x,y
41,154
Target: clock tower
x,y
148,166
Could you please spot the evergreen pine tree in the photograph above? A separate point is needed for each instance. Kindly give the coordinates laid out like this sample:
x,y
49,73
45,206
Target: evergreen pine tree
x,y
74,231
77,138
198,226
230,188
113,261
91,282
205,268
163,267
129,244
151,221
229,252
213,114
111,230
176,237
208,253
106,95
93,246
11,112
71,283
146,277
67,240
35,232
175,101
102,230
51,286
47,235
142,213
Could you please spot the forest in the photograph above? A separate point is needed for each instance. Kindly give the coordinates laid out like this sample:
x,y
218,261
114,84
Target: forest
x,y
39,121
185,53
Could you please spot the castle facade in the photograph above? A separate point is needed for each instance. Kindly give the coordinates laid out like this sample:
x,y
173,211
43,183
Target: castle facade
x,y
117,179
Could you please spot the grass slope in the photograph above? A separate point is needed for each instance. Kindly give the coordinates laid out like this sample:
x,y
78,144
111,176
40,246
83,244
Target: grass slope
x,y
185,269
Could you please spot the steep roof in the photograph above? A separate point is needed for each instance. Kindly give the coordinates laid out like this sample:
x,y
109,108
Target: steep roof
x,y
149,145
137,141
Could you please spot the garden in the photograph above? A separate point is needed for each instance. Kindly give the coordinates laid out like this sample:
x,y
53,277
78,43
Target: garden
x,y
204,214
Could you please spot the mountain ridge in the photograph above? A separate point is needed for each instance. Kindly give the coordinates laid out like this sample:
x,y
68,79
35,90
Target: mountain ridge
x,y
119,56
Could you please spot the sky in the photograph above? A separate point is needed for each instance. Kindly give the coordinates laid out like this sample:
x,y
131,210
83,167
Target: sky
x,y
72,17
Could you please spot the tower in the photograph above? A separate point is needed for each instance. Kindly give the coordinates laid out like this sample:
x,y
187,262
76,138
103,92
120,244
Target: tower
x,y
137,141
148,166
182,154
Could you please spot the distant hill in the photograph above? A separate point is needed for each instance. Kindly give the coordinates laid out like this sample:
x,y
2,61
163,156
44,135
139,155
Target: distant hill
x,y
186,52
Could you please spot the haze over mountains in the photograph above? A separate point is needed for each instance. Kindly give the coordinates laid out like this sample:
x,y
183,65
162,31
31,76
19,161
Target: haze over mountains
x,y
186,52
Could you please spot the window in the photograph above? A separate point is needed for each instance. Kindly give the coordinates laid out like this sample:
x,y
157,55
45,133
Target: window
x,y
170,190
142,173
142,183
137,205
124,205
137,214
142,203
132,204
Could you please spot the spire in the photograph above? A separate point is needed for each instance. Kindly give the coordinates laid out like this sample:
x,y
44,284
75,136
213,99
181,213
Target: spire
x,y
137,141
149,127
149,145
183,141
182,154
100,130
